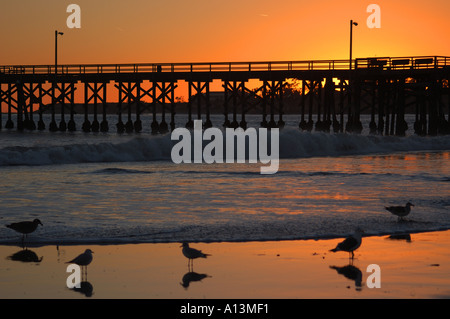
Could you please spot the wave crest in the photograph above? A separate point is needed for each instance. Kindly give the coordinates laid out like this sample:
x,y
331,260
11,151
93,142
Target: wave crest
x,y
293,144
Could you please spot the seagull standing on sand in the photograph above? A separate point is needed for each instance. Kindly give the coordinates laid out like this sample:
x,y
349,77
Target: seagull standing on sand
x,y
192,253
400,211
25,227
351,243
82,260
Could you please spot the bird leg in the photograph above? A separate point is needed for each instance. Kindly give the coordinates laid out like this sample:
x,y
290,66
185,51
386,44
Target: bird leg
x,y
351,255
191,265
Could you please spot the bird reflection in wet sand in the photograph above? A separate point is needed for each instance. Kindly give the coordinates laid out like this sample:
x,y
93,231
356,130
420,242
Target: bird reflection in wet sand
x,y
86,288
26,256
190,277
350,272
405,237
191,254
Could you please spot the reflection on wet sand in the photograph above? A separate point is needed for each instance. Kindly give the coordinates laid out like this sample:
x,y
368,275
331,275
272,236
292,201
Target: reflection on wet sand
x,y
86,289
25,255
190,277
405,237
350,272
148,270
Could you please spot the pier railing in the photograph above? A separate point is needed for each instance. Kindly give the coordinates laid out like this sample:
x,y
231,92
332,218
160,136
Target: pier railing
x,y
403,63
388,63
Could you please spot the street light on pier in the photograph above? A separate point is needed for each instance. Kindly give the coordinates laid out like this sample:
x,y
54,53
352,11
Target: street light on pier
x,y
56,50
351,39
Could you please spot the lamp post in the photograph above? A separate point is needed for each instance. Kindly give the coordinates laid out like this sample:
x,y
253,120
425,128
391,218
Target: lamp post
x,y
53,127
56,49
350,121
351,39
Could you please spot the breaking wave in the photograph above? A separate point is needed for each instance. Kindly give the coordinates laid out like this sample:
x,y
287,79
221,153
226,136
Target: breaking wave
x,y
293,144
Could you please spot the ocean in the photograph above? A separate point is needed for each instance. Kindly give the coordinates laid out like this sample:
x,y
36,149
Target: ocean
x,y
107,188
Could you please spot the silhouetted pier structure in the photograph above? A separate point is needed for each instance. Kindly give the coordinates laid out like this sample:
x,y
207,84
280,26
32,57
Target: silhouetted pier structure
x,y
332,93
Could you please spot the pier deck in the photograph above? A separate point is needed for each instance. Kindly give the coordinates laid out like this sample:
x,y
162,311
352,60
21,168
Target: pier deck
x,y
329,89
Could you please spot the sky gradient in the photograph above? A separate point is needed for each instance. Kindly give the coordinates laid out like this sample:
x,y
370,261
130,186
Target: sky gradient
x,y
158,31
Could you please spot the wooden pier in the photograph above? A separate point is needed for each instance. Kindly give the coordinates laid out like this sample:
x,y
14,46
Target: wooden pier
x,y
330,92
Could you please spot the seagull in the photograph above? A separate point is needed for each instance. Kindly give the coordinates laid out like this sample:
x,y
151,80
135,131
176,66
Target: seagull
x,y
192,253
351,243
82,260
25,227
400,211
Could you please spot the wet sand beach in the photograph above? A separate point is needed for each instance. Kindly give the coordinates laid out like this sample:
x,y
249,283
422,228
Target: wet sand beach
x,y
411,266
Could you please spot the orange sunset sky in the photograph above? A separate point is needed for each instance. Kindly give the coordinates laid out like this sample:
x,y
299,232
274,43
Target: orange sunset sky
x,y
141,31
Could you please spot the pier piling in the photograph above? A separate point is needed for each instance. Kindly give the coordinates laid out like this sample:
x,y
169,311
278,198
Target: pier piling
x,y
331,97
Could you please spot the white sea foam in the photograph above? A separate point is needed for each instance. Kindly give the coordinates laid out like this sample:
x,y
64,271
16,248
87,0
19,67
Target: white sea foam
x,y
293,144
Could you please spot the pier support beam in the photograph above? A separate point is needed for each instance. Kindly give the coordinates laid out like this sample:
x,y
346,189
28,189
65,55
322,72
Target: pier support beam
x,y
53,127
31,96
273,93
160,93
95,92
373,124
198,91
71,126
12,89
310,89
127,95
400,125
62,101
381,90
234,93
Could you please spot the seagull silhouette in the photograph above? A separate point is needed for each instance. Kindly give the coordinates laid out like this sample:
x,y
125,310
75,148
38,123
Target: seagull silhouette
x,y
192,253
351,272
190,277
82,260
351,243
25,227
400,211
25,256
